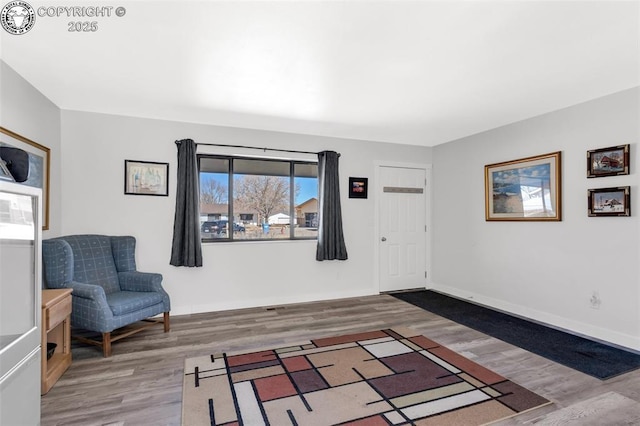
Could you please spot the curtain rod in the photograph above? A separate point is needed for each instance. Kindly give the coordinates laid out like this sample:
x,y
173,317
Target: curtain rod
x,y
255,147
258,148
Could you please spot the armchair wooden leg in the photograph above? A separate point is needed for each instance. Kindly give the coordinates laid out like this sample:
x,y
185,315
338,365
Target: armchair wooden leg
x,y
106,345
167,325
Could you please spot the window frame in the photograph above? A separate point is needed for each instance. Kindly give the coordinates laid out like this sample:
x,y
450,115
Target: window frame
x,y
230,196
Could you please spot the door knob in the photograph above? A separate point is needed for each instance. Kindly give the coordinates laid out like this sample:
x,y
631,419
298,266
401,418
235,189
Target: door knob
x,y
383,239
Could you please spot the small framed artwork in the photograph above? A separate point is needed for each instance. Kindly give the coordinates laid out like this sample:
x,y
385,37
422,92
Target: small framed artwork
x,y
4,172
608,161
524,189
610,201
28,163
146,178
358,187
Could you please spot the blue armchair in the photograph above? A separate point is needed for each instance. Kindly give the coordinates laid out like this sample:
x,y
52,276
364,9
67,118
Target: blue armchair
x,y
108,292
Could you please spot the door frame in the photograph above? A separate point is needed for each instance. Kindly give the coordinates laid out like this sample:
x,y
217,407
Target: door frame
x,y
376,234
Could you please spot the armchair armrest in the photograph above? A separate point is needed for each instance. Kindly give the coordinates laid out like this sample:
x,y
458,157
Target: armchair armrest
x,y
89,291
90,310
140,281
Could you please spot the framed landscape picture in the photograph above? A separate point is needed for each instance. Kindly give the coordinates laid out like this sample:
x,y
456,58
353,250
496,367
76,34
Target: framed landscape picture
x,y
608,161
524,189
27,162
610,201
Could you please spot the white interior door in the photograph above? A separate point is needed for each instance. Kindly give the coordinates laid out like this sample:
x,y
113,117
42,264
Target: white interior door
x,y
402,228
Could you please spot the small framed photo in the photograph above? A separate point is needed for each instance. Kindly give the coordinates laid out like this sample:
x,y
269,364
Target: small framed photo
x,y
146,178
358,187
524,189
610,201
608,161
4,172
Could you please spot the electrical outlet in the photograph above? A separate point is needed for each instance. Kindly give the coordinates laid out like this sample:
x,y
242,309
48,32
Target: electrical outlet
x,y
595,300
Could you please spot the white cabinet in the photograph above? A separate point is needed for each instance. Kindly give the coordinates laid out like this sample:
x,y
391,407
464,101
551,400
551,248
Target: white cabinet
x,y
20,306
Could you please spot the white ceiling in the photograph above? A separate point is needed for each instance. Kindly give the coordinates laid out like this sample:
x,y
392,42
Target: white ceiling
x,y
415,72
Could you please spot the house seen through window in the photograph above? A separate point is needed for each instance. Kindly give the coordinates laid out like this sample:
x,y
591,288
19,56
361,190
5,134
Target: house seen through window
x,y
257,199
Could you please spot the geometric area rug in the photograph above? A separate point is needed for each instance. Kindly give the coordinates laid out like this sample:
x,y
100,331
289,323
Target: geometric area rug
x,y
385,377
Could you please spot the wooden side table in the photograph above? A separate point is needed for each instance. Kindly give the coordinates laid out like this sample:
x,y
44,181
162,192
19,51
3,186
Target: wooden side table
x,y
56,328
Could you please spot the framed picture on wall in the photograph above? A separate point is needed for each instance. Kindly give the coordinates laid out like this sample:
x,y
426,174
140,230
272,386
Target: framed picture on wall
x,y
146,178
524,189
358,187
610,201
28,163
4,172
608,161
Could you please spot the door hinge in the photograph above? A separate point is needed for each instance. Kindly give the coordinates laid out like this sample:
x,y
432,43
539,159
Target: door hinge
x,y
425,274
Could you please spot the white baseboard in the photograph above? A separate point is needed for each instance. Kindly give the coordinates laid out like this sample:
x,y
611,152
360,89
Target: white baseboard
x,y
267,302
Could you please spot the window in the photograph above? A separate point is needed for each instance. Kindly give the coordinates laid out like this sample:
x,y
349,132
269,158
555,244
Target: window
x,y
267,199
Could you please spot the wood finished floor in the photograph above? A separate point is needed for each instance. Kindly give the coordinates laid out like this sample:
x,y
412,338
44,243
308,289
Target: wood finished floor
x,y
141,384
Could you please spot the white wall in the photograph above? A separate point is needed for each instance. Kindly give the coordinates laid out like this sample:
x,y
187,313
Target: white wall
x,y
234,275
24,110
546,271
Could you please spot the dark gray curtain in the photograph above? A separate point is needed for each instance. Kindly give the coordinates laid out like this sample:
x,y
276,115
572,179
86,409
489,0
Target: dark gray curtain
x,y
331,244
186,249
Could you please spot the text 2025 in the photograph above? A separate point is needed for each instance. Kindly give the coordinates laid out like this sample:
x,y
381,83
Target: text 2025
x,y
82,27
